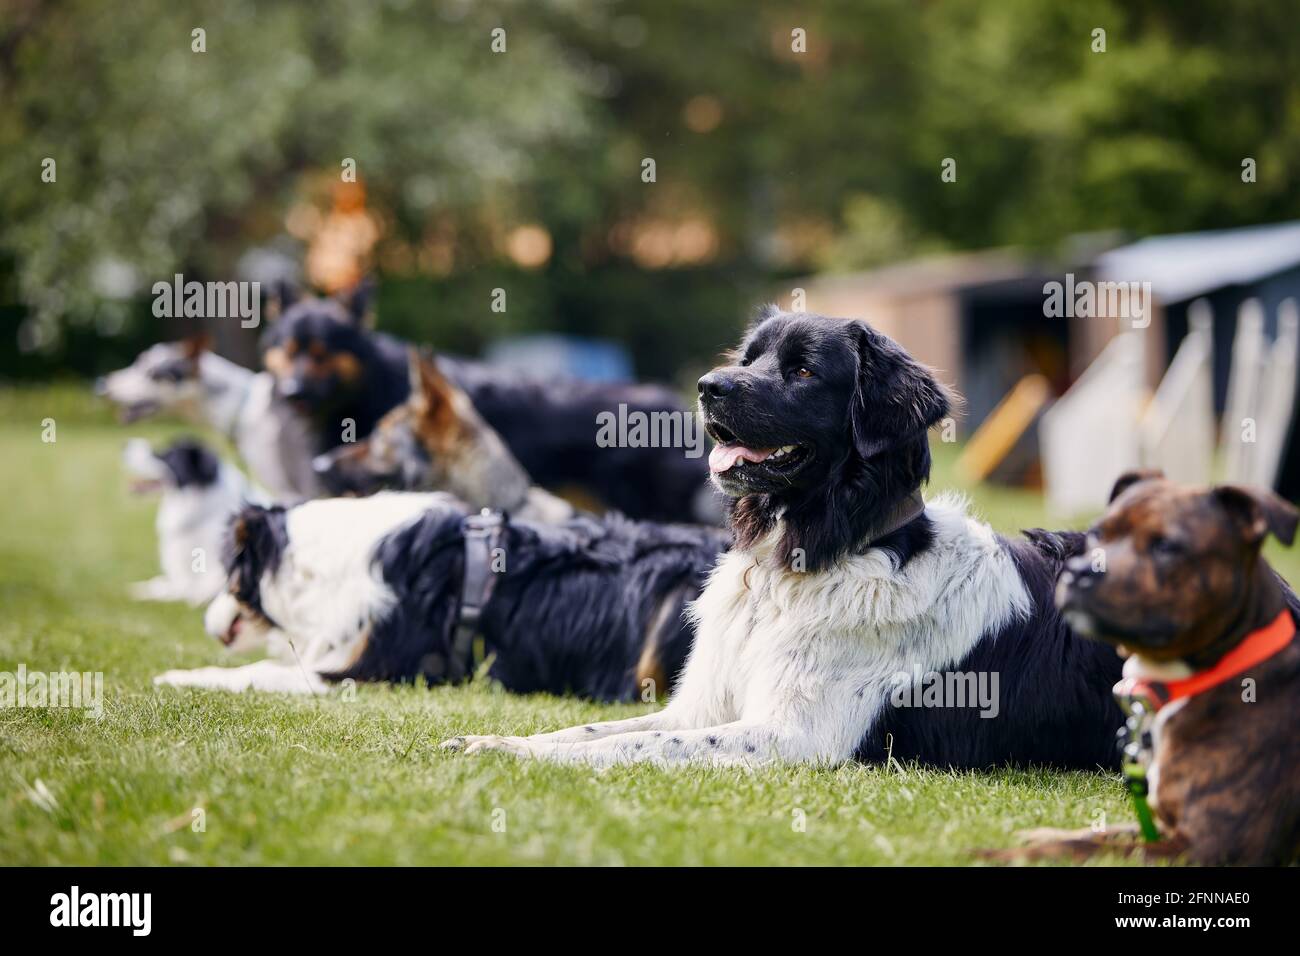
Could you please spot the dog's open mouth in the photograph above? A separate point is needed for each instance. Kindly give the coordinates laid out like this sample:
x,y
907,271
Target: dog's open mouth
x,y
127,414
738,459
232,632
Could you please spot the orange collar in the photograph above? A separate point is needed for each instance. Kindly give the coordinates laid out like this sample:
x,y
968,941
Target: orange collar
x,y
1258,646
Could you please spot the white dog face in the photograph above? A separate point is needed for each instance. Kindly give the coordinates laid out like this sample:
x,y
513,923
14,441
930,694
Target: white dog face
x,y
146,470
227,621
164,377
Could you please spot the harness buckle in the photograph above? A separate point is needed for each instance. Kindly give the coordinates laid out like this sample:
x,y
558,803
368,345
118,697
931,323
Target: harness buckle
x,y
482,533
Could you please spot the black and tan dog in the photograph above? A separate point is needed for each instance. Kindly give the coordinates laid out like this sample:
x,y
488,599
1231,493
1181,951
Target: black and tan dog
x,y
1174,579
343,377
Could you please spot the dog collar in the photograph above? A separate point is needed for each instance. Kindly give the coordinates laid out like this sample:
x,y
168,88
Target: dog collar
x,y
906,511
1258,646
1142,697
482,534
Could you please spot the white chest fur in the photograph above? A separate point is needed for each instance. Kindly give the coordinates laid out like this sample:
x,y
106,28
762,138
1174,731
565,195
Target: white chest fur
x,y
823,650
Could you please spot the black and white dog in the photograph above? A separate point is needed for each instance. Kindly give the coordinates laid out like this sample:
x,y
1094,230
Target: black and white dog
x,y
375,589
200,494
344,377
843,585
185,378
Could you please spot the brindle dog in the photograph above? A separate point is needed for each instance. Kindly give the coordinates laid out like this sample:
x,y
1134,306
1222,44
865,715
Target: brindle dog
x,y
1173,577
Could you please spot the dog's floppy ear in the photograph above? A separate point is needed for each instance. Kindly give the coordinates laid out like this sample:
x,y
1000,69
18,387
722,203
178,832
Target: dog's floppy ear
x,y
191,463
256,541
896,397
1259,512
1130,478
359,302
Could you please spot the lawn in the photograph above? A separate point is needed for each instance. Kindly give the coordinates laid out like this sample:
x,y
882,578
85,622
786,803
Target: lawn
x,y
331,780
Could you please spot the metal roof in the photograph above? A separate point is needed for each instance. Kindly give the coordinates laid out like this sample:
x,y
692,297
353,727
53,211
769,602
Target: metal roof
x,y
1183,266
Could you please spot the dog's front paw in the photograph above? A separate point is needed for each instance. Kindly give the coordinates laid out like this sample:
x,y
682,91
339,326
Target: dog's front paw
x,y
176,678
222,678
471,744
1038,835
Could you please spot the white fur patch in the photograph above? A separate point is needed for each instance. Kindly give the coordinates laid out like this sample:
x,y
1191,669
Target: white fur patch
x,y
778,644
327,582
326,593
1144,668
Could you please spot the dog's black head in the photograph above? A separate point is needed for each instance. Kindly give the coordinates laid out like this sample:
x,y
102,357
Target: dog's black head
x,y
318,350
192,464
821,422
256,540
185,464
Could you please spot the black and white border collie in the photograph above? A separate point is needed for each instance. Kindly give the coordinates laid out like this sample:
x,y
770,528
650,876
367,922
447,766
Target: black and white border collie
x,y
200,494
842,583
371,588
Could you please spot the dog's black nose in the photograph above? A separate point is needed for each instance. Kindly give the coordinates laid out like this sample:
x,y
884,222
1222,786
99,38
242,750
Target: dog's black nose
x,y
716,384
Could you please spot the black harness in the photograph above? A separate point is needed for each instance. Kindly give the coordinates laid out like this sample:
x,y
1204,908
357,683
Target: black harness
x,y
482,534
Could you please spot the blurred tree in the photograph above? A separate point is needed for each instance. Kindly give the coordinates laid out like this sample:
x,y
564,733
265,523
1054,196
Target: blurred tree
x,y
170,159
785,138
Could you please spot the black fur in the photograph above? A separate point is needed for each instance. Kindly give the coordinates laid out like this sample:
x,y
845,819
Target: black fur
x,y
549,424
846,489
1055,702
331,401
192,464
255,543
570,613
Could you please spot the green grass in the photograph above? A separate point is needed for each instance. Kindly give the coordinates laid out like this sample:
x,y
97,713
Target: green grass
x,y
362,781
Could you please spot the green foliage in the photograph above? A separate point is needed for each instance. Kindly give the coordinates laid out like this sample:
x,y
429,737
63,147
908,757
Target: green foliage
x,y
170,159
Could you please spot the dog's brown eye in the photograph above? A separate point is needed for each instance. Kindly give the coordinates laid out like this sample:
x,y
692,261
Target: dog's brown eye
x,y
1164,546
804,373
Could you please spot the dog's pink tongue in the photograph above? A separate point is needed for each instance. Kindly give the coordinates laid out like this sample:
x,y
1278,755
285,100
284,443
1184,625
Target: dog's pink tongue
x,y
724,457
